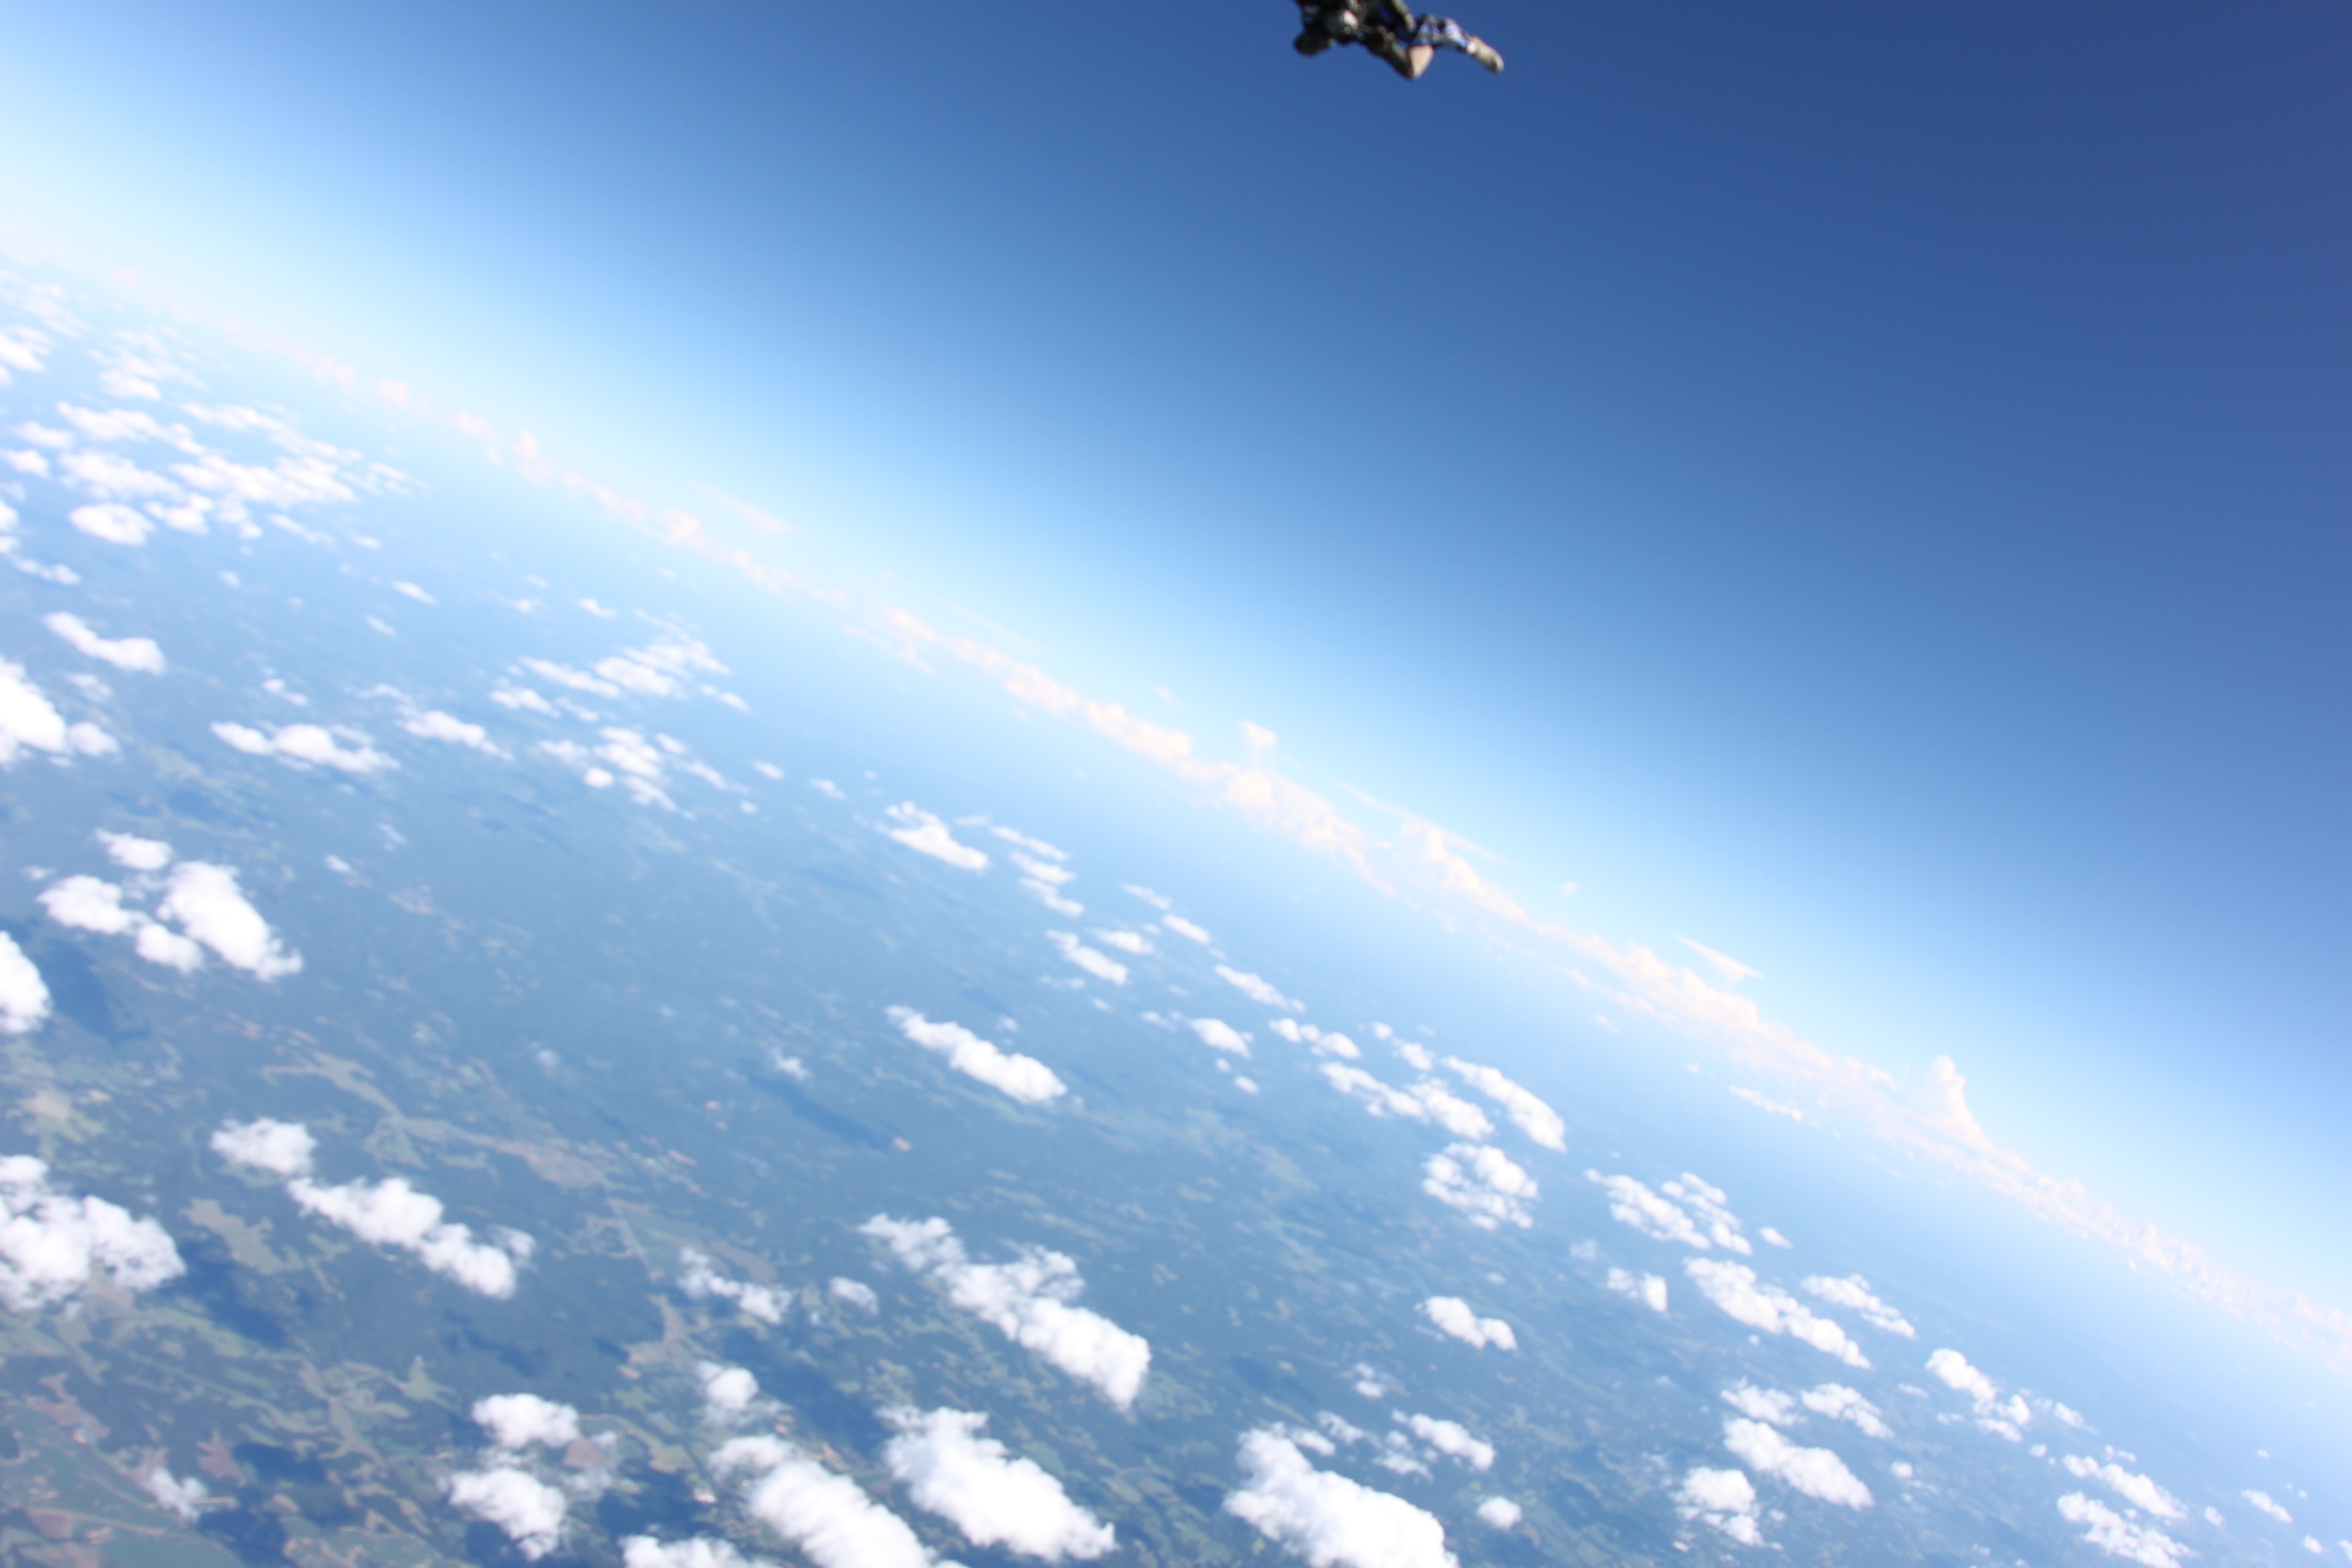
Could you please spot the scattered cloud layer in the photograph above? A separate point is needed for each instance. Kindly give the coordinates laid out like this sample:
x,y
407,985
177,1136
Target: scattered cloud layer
x,y
530,1511
1723,1500
309,745
1454,1319
2117,1536
831,1522
948,1468
24,995
1101,965
1733,1287
1632,1203
1839,1403
1853,1293
30,722
919,830
1328,1519
54,1245
201,899
1526,1108
2269,1505
1650,1289
1029,1300
1816,1473
1024,1079
1482,1183
2139,1490
695,1551
698,1276
1258,990
520,1421
1220,1036
139,655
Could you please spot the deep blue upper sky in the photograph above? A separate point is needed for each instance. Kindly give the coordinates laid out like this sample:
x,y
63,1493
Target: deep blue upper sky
x,y
1864,487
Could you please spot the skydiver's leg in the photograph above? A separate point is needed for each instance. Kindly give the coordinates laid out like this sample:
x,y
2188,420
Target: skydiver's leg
x,y
1311,41
1433,33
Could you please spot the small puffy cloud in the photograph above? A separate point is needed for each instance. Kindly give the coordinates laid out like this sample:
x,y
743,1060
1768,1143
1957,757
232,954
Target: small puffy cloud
x,y
1953,1369
1186,929
728,1392
698,1276
139,655
515,1421
1219,1036
29,723
1650,1289
1034,845
563,675
530,1511
1450,1438
1455,1320
919,830
1733,1287
411,590
432,724
1482,1183
833,1523
695,1551
2139,1490
1328,1519
1723,1500
2067,1413
1533,1116
53,1245
1501,1512
265,1144
1633,1203
1101,965
1133,941
1030,1300
948,1468
522,700
182,1498
134,853
2267,1504
1024,1079
2117,1536
87,903
24,996
1258,990
1774,1237
854,1293
1839,1403
1767,1405
207,904
1853,1293
307,745
1816,1473
1710,1202
112,522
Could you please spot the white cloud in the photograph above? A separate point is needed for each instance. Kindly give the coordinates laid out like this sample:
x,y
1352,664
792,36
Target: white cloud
x,y
2117,1536
2263,1501
432,724
1028,1300
1219,1036
1633,1203
1186,929
1731,969
1724,1500
698,1276
1839,1403
1035,846
2139,1490
1774,1237
1501,1512
28,723
1024,1079
1953,1369
1133,941
111,522
1330,1520
1454,1319
1157,900
1482,1182
1766,1103
279,1148
1258,990
205,901
522,700
1650,1289
970,1480
411,591
565,676
1101,965
24,996
1734,1288
1450,1439
1710,1205
1853,1293
134,853
853,1293
54,1245
695,1551
2067,1413
515,1421
182,1498
530,1511
833,1523
137,653
728,1392
1769,1405
1816,1473
920,831
112,477
306,746
1535,1118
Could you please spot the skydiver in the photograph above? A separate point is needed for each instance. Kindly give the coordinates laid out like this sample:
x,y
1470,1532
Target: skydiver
x,y
1387,28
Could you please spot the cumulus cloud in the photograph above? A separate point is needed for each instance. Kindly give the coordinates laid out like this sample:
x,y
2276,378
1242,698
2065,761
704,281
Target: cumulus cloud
x,y
111,522
728,1392
1633,1203
432,724
1816,1473
1710,1202
133,853
698,1276
1482,1183
307,745
1450,1438
2117,1536
265,1144
948,1468
528,1510
1133,941
1724,1500
1029,1300
1768,1405
1024,1079
919,830
28,723
515,1421
1853,1293
2267,1504
182,1498
695,1551
833,1523
1501,1512
1038,846
1101,965
1535,1118
1650,1289
1839,1403
855,1293
2139,1490
1258,990
53,1245
1454,1319
1046,879
1774,1237
24,996
1186,929
140,655
1328,1519
207,904
2003,1418
1219,1036
1733,1287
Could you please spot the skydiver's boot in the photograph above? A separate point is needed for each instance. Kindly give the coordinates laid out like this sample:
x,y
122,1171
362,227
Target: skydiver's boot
x,y
1482,52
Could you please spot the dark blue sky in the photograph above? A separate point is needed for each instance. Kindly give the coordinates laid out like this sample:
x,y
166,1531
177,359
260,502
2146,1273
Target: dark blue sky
x,y
1864,487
